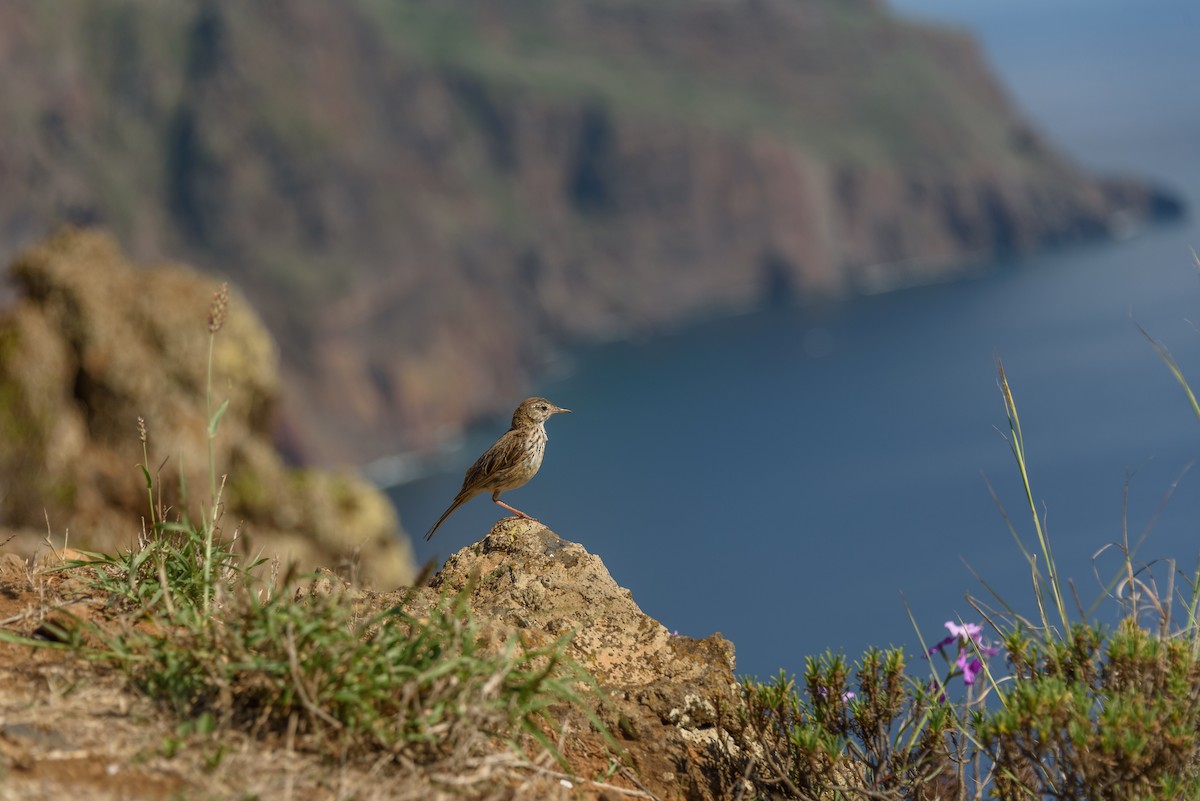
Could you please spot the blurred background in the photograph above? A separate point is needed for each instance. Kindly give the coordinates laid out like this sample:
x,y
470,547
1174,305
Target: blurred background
x,y
767,251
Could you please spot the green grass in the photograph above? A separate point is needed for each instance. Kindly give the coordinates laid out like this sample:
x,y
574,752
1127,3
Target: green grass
x,y
218,643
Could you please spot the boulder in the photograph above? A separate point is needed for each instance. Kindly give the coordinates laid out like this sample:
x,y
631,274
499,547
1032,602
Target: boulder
x,y
671,700
104,367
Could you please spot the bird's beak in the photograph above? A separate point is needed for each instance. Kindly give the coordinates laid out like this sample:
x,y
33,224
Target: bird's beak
x,y
558,410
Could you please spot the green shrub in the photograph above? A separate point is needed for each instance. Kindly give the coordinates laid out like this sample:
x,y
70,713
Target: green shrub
x,y
1097,717
886,739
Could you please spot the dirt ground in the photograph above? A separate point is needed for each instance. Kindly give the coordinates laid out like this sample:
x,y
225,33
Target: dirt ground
x,y
74,728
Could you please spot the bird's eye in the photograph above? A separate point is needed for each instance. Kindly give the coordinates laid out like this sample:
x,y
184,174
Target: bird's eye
x,y
542,406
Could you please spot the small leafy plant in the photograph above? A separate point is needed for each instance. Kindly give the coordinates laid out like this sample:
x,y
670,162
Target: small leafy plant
x,y
831,742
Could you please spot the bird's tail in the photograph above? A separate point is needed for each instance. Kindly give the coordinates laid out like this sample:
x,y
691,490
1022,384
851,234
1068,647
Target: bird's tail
x,y
459,500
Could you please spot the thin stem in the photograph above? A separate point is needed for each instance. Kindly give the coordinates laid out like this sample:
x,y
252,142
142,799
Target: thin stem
x,y
212,459
210,520
1017,442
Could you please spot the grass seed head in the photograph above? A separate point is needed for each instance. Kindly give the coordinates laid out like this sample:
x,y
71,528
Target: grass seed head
x,y
218,308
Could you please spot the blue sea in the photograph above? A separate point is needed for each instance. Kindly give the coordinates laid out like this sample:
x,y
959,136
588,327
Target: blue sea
x,y
801,479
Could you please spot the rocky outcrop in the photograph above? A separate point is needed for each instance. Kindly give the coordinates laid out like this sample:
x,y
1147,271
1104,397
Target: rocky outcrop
x,y
438,197
94,344
672,701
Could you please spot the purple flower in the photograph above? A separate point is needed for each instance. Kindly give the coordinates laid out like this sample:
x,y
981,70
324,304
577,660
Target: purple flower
x,y
965,632
970,669
969,633
939,646
971,649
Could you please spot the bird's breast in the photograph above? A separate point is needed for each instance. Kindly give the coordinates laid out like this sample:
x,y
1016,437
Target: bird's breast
x,y
537,449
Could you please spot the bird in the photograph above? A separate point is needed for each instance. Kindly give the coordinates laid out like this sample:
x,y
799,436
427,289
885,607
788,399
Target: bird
x,y
510,462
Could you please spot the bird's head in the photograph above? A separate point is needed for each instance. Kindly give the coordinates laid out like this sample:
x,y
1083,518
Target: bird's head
x,y
534,411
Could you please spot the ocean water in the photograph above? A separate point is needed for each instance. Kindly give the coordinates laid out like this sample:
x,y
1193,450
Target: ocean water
x,y
801,479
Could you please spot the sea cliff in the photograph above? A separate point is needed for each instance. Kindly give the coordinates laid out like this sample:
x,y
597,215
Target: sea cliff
x,y
428,201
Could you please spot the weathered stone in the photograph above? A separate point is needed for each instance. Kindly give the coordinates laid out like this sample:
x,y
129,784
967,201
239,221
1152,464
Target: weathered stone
x,y
671,699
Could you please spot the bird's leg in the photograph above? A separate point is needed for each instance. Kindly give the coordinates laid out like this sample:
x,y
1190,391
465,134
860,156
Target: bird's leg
x,y
496,500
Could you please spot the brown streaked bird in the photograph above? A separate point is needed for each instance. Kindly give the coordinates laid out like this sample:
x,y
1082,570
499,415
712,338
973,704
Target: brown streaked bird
x,y
511,461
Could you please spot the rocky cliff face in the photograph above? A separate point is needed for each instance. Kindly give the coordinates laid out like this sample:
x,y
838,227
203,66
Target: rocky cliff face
x,y
96,343
428,201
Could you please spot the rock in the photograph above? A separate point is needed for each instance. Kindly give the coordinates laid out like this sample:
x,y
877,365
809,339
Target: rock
x,y
96,343
672,697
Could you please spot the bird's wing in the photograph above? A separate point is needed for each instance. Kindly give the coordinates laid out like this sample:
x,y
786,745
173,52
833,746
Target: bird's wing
x,y
490,463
